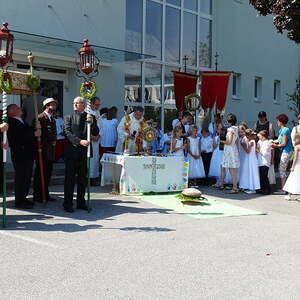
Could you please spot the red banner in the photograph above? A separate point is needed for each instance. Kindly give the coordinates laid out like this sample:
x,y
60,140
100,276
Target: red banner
x,y
184,84
214,88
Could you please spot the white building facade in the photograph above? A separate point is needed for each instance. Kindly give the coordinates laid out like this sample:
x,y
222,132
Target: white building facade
x,y
174,32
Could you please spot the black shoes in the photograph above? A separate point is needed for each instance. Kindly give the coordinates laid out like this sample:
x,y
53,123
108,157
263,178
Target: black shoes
x,y
94,182
83,207
69,209
24,205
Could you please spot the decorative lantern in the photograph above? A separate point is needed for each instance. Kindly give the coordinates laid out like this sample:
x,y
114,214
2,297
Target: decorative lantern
x,y
6,45
87,58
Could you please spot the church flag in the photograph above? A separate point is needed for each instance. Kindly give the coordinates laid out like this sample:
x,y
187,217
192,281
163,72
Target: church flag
x,y
214,87
184,84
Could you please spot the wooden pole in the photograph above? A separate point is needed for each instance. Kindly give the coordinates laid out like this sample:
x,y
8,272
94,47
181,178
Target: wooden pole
x,y
39,140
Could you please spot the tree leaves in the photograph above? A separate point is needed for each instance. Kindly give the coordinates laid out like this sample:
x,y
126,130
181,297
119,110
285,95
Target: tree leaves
x,y
286,15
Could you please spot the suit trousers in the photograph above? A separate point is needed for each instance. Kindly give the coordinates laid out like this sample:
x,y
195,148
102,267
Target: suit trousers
x,y
75,167
206,158
23,174
37,187
264,180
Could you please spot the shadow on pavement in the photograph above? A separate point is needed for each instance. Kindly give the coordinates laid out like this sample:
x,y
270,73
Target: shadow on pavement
x,y
102,209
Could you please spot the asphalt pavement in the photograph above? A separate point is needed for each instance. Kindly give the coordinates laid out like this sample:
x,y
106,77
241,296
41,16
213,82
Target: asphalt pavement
x,y
129,249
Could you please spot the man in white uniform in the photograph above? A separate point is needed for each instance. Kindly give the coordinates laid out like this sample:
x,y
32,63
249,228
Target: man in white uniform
x,y
128,130
94,168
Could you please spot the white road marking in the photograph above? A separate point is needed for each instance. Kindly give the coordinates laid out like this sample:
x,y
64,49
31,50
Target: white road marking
x,y
28,239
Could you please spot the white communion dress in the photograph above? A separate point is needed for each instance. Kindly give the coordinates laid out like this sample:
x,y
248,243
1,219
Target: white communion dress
x,y
196,168
215,163
179,143
292,185
249,173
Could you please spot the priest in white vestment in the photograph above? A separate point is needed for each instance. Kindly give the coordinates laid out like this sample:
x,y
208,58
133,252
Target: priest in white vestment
x,y
128,130
94,167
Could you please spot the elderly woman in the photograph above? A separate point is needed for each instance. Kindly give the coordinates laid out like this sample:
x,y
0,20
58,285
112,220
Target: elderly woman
x,y
231,158
285,146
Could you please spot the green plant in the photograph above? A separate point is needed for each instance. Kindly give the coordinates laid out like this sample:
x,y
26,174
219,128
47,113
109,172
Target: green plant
x,y
294,100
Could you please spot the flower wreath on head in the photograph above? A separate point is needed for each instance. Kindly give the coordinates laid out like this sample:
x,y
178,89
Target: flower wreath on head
x,y
88,90
5,82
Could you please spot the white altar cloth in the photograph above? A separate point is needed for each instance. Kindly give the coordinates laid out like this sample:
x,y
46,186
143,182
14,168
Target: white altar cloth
x,y
139,174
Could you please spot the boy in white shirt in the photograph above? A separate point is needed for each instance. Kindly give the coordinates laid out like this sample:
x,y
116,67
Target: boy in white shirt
x,y
206,151
264,156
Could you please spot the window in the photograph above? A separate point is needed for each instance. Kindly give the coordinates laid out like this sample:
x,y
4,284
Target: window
x,y
174,2
153,29
205,6
236,86
171,31
152,83
132,87
277,90
189,45
258,88
172,43
169,86
191,4
205,43
133,25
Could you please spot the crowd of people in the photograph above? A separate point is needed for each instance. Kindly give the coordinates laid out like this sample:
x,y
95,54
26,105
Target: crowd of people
x,y
224,154
240,157
54,139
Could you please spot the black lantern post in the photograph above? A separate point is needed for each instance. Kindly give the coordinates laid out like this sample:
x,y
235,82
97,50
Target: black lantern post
x,y
88,68
6,52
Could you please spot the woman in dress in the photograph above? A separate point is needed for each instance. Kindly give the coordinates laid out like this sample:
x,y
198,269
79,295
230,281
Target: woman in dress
x,y
241,147
264,124
284,144
249,173
177,145
231,159
292,184
196,168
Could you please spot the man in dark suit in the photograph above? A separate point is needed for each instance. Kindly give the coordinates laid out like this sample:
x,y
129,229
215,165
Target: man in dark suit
x,y
76,153
3,127
21,139
48,138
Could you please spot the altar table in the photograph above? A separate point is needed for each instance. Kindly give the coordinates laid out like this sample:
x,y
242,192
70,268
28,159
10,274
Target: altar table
x,y
138,174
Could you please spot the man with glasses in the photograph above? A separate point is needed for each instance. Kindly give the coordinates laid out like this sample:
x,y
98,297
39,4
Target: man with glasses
x,y
94,170
76,153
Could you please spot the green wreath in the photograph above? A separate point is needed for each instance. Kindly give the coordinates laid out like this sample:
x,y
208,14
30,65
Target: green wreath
x,y
88,93
5,84
192,102
33,82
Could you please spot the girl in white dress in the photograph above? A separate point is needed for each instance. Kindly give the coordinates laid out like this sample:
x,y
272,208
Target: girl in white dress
x,y
249,173
196,168
177,145
292,185
242,140
216,160
231,158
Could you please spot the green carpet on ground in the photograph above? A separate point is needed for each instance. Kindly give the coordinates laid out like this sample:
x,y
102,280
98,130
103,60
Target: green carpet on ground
x,y
204,210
